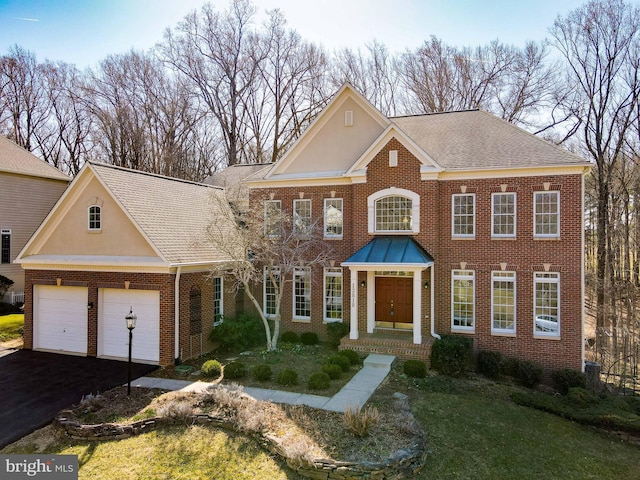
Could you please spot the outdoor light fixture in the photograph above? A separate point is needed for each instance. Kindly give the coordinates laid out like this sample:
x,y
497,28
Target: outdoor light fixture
x,y
363,284
130,318
426,284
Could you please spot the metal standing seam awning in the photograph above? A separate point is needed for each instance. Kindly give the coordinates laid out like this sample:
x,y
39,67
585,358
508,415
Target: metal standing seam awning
x,y
390,251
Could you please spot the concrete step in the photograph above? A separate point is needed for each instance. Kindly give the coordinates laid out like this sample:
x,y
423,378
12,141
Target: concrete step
x,y
377,360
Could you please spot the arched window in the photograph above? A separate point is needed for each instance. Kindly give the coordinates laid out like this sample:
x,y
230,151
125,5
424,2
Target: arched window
x,y
195,310
95,217
394,210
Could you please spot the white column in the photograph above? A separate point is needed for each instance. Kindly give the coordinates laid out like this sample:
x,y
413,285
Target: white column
x,y
417,307
353,331
371,301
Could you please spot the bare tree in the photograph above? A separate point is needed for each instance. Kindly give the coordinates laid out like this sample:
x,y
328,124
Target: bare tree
x,y
600,46
264,243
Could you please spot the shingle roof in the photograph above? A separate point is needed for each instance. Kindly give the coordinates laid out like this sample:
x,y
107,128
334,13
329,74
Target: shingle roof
x,y
173,214
477,140
236,173
15,159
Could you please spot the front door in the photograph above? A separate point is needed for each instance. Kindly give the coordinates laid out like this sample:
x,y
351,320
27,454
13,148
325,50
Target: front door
x,y
394,302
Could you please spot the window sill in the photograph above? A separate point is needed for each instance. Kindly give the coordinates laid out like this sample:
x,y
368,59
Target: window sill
x,y
504,238
465,331
463,238
503,334
333,320
547,337
546,238
301,320
95,231
333,238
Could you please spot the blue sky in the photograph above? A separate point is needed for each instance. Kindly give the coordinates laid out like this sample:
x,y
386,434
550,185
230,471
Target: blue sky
x,y
85,31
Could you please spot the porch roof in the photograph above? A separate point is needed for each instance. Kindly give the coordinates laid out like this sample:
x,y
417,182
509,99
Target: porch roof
x,y
397,251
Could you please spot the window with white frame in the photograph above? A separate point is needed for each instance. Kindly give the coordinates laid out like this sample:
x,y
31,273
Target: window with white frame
x,y
5,246
302,216
394,214
463,223
333,294
546,214
302,293
546,295
95,220
271,285
218,311
462,300
333,218
503,302
272,218
503,218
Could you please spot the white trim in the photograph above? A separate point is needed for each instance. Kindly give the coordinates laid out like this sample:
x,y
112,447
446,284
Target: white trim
x,y
335,273
325,223
515,215
99,221
302,273
546,235
265,279
213,281
307,220
266,218
453,225
389,192
536,281
502,276
459,276
353,304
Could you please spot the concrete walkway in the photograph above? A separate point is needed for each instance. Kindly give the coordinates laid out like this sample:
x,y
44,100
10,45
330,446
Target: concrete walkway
x,y
355,393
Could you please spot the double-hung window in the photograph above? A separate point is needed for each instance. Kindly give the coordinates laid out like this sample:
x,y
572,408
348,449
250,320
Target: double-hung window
x,y
302,293
302,216
546,295
503,218
95,218
503,302
272,218
218,313
462,300
546,214
271,287
333,218
463,208
333,294
5,246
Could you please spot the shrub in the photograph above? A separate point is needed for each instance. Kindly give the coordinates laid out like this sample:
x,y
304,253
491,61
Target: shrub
x,y
240,333
8,309
451,355
334,371
359,421
235,370
289,337
5,284
581,397
567,378
489,363
262,373
340,360
319,381
335,331
287,377
529,373
211,369
415,368
354,358
309,338
510,367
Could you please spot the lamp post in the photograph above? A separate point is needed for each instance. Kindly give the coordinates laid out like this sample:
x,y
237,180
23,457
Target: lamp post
x,y
130,318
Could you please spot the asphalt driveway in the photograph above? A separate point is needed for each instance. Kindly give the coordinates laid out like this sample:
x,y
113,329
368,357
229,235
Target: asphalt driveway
x,y
35,386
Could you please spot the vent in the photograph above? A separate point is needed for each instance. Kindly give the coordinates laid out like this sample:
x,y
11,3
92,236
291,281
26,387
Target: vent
x,y
348,118
393,158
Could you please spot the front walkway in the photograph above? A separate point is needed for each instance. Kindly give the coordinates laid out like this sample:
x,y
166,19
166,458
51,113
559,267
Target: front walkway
x,y
354,394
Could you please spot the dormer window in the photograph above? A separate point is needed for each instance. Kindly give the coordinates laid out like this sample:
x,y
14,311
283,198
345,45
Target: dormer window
x,y
95,218
394,210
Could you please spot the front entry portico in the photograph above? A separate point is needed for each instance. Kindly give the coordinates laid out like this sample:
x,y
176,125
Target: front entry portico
x,y
395,285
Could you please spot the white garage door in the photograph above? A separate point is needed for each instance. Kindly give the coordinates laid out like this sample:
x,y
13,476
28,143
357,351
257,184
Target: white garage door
x,y
113,336
60,319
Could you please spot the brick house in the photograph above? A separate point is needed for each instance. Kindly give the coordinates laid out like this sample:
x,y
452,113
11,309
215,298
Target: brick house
x,y
120,239
451,223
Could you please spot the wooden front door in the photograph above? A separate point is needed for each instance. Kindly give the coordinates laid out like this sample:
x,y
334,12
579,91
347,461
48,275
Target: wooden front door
x,y
394,302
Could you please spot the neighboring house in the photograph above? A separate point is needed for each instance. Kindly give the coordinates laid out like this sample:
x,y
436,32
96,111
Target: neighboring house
x,y
121,239
29,187
450,223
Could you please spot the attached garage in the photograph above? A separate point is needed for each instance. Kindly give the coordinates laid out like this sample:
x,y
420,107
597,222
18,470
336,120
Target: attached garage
x,y
113,336
60,319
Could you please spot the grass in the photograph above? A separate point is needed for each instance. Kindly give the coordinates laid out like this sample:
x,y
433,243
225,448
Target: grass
x,y
11,326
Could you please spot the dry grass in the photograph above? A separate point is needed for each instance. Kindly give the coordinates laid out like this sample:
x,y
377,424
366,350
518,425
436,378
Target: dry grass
x,y
358,421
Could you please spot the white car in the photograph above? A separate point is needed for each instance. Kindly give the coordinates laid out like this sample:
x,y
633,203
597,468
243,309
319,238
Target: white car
x,y
547,323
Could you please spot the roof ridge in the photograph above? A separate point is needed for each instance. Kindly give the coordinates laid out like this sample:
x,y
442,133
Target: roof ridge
x,y
436,113
149,174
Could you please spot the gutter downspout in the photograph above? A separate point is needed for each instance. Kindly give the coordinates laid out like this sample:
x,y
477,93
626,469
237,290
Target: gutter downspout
x,y
176,311
433,307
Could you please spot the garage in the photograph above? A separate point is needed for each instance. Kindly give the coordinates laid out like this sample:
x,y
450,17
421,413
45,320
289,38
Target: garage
x,y
60,319
113,336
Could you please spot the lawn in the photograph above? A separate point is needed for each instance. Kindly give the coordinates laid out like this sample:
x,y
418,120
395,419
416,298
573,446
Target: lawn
x,y
11,326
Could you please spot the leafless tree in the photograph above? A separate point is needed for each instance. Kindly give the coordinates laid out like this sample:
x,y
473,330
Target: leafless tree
x,y
600,46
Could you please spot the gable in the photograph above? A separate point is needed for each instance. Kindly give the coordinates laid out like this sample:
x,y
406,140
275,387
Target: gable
x,y
66,231
331,143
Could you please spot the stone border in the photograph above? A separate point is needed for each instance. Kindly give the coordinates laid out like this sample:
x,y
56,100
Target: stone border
x,y
404,463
